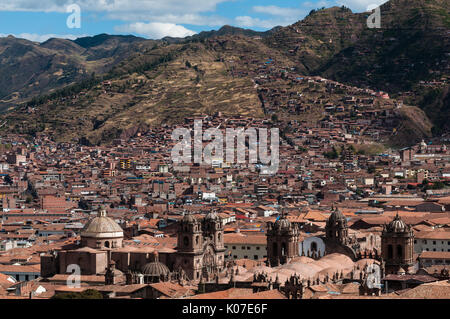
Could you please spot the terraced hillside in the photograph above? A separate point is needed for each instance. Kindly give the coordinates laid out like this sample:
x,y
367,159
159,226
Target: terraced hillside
x,y
142,82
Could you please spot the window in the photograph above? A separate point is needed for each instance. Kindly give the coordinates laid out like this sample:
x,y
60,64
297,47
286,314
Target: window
x,y
399,251
234,257
245,257
390,252
248,247
255,257
234,247
257,247
415,241
243,247
434,242
424,241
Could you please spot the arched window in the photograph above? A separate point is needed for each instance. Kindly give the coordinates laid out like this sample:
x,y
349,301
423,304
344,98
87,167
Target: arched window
x,y
196,240
107,244
186,241
390,252
283,249
399,251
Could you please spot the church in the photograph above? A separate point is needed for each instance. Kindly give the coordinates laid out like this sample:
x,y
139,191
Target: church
x,y
395,253
199,254
283,240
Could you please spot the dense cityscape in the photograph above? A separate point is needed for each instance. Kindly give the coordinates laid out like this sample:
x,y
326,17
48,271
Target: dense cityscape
x,y
140,228
297,162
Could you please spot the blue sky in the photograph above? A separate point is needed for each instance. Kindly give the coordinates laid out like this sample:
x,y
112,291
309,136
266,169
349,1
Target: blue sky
x,y
39,20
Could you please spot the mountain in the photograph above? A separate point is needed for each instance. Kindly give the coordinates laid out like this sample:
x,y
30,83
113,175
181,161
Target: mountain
x,y
411,45
140,83
226,30
30,68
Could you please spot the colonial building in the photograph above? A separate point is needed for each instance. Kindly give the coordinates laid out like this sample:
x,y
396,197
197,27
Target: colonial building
x,y
199,253
284,244
397,246
282,241
336,228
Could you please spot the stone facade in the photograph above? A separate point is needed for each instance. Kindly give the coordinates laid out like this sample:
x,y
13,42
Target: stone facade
x,y
397,246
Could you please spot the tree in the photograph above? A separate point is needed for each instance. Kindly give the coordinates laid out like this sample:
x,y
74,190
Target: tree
x,y
333,154
87,294
8,180
438,185
83,204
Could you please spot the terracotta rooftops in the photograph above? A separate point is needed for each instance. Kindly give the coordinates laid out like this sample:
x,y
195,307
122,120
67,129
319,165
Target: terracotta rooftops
x,y
435,254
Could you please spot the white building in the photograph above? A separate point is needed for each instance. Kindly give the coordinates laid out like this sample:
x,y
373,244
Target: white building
x,y
241,246
435,240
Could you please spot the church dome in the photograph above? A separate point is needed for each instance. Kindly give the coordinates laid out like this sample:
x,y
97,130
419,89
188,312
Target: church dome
x,y
188,218
336,216
397,225
102,227
283,223
212,216
155,269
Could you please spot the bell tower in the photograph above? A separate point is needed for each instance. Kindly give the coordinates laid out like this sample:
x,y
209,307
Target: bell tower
x,y
190,237
282,241
213,229
336,228
397,246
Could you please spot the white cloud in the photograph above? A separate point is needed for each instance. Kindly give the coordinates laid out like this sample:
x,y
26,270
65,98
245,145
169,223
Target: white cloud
x,y
43,37
164,11
156,30
188,18
279,11
137,6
